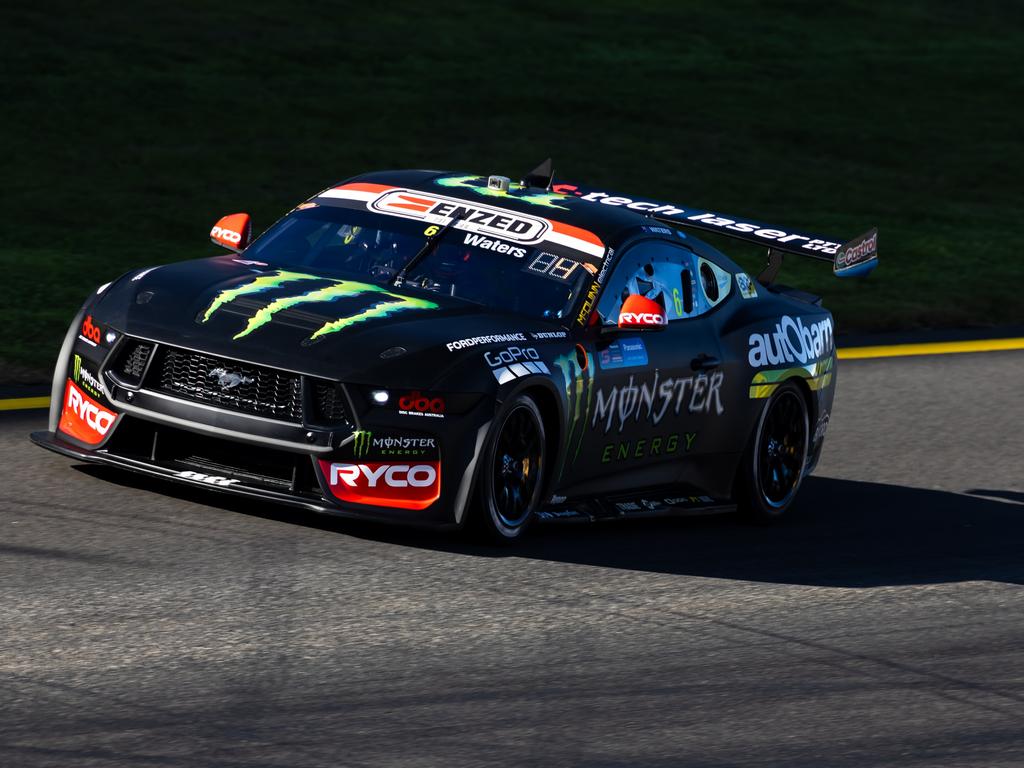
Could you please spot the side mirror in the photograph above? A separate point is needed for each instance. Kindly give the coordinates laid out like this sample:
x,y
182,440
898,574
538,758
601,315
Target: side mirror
x,y
233,232
639,313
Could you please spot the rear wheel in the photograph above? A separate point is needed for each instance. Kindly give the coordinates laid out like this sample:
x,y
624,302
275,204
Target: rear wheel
x,y
512,472
773,465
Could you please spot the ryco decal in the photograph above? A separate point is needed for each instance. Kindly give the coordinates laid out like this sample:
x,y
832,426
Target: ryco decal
x,y
83,418
402,486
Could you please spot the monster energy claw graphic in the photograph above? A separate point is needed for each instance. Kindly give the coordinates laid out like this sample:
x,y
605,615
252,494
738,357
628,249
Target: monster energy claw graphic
x,y
331,292
390,304
579,393
259,285
361,443
380,310
478,184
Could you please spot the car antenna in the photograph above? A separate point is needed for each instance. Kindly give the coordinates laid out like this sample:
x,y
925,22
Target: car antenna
x,y
541,176
428,247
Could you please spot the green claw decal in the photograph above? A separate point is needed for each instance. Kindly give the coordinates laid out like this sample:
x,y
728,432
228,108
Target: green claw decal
x,y
339,290
579,393
336,289
259,285
478,184
380,310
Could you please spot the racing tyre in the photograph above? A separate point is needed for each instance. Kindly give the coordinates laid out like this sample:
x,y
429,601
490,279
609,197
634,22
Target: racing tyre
x,y
512,473
773,464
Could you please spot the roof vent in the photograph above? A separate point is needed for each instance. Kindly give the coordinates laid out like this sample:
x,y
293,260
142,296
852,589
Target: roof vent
x,y
499,183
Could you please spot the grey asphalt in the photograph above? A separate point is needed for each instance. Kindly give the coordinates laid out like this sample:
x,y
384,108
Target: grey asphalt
x,y
882,625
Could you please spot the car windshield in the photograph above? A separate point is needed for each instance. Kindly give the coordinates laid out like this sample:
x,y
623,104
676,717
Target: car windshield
x,y
496,273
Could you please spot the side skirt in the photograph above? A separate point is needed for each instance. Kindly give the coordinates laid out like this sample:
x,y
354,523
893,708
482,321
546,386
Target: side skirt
x,y
659,503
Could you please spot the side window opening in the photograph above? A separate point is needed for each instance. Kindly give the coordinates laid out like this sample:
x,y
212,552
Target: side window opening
x,y
674,276
707,277
715,282
687,282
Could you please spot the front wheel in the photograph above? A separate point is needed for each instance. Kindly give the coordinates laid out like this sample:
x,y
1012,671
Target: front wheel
x,y
512,472
774,462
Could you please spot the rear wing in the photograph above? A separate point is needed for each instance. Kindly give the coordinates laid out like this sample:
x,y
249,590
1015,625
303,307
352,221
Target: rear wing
x,y
856,257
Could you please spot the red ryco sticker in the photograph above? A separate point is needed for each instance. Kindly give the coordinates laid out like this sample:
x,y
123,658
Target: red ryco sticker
x,y
412,485
83,418
639,312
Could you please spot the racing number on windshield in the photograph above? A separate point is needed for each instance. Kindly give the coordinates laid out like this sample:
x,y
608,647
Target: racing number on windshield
x,y
557,267
432,230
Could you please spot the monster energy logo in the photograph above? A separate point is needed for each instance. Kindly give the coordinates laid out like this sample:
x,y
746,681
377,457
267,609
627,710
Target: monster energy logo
x,y
579,395
387,304
361,443
82,376
478,184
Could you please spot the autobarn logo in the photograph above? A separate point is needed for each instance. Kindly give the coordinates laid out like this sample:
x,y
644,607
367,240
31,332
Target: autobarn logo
x,y
791,342
482,219
403,485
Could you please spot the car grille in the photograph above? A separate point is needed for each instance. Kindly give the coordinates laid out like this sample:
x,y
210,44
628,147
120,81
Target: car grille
x,y
228,384
130,361
329,401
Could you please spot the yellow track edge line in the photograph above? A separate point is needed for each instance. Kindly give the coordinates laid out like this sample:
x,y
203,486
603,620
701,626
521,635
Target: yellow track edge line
x,y
24,403
846,353
933,348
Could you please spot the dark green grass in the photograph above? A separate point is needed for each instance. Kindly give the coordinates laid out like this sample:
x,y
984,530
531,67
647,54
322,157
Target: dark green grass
x,y
127,133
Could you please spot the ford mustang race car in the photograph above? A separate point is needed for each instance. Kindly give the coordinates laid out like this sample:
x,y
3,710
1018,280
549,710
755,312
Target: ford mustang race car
x,y
444,349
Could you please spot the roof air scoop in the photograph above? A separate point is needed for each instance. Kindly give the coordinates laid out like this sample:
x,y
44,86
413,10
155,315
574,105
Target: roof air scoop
x,y
541,176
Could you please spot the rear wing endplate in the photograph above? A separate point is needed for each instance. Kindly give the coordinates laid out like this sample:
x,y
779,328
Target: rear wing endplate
x,y
855,257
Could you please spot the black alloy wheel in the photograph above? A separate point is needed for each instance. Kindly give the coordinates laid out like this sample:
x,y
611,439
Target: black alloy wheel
x,y
774,466
514,471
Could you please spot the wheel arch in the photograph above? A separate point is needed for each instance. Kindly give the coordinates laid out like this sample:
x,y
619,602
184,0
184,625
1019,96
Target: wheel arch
x,y
550,410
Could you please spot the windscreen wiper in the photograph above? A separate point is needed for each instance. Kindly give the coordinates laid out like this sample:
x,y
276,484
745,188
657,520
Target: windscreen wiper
x,y
428,248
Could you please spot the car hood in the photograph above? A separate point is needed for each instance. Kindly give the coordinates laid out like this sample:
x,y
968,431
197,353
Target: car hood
x,y
306,321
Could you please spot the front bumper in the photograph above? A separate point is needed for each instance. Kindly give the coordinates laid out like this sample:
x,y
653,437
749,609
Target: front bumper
x,y
176,470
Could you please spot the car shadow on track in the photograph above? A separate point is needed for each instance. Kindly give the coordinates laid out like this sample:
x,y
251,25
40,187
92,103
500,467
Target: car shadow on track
x,y
840,533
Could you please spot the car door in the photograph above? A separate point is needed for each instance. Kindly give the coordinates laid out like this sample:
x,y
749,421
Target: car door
x,y
655,391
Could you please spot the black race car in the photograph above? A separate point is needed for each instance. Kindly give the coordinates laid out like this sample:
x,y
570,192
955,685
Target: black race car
x,y
440,349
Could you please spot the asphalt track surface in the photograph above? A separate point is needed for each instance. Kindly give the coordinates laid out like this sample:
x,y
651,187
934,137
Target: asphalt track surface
x,y
882,625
